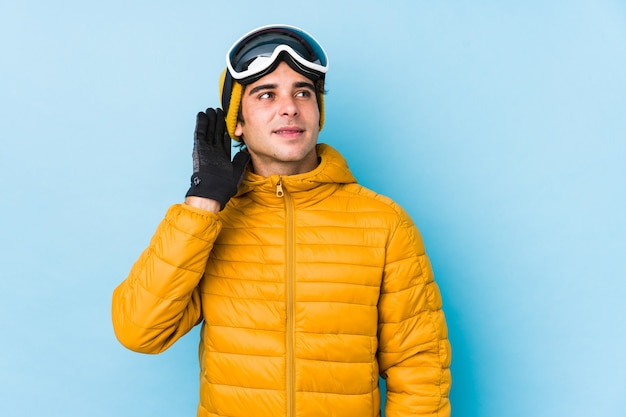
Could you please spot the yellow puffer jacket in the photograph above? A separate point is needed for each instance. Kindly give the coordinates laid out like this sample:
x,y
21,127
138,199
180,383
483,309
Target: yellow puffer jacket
x,y
308,286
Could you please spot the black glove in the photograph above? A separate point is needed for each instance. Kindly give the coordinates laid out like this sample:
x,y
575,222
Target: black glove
x,y
214,175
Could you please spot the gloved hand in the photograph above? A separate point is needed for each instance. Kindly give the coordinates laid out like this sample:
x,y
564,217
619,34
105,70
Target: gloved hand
x,y
214,175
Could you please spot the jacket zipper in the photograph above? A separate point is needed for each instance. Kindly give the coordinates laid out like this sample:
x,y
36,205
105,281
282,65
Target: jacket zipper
x,y
290,290
279,189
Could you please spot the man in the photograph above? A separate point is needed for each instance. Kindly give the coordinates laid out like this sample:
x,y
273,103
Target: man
x,y
307,284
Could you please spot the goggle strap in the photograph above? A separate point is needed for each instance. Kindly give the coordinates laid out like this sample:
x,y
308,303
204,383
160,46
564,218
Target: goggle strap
x,y
227,90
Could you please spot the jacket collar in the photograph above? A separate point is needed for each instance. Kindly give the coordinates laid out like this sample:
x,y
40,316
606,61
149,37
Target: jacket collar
x,y
306,188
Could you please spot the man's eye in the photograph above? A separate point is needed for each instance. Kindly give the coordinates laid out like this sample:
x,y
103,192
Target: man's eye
x,y
304,93
266,96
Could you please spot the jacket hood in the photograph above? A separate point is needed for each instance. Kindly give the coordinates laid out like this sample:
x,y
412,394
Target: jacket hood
x,y
331,172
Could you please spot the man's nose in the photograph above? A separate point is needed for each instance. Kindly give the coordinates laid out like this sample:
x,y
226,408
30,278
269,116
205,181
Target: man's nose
x,y
288,106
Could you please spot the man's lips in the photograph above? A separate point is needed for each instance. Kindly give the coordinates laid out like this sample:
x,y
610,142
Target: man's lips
x,y
288,130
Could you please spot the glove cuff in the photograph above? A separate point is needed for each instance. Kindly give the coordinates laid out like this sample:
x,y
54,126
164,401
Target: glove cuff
x,y
211,186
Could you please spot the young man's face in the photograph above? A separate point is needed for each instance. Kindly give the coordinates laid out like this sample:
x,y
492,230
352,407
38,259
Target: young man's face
x,y
281,122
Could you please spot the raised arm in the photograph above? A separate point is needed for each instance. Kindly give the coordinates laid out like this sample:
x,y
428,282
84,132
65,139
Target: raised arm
x,y
159,301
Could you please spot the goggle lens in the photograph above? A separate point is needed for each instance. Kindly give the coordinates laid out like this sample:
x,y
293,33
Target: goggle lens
x,y
256,51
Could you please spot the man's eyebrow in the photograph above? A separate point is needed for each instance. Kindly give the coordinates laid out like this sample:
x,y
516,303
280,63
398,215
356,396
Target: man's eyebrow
x,y
262,87
304,84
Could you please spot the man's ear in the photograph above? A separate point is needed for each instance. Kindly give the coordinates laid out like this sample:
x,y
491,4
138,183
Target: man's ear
x,y
239,129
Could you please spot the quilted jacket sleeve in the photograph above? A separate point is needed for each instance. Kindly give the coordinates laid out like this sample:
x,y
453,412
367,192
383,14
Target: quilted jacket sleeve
x,y
414,352
159,301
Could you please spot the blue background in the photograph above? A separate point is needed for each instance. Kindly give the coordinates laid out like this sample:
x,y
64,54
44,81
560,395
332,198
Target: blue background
x,y
499,125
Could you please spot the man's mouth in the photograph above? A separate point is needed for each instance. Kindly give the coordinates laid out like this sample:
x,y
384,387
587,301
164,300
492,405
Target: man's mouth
x,y
288,131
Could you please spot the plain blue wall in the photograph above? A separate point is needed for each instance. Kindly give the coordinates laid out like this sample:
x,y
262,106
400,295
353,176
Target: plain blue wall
x,y
500,126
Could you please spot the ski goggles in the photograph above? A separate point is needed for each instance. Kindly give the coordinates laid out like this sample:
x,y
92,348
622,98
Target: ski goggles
x,y
256,53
